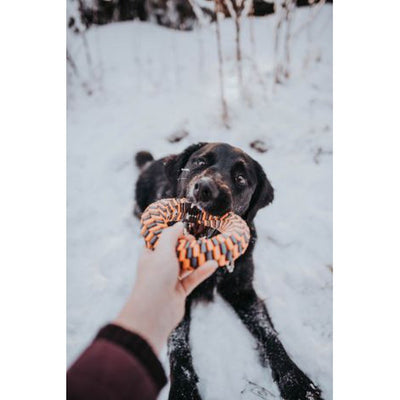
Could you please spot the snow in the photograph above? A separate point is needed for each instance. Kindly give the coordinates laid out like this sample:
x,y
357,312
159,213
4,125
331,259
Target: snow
x,y
149,82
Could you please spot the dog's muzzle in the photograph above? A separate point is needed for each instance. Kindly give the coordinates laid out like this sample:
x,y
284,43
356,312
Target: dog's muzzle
x,y
210,195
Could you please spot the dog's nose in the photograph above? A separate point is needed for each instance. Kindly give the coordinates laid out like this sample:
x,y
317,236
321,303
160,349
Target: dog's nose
x,y
205,190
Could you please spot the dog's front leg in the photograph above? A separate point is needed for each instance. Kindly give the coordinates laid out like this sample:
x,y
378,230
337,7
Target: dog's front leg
x,y
292,382
183,377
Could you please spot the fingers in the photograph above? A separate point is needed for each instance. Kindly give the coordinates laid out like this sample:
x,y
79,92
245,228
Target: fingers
x,y
169,238
198,275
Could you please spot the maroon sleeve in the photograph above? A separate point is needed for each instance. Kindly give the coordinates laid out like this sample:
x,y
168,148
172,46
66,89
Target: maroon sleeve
x,y
118,365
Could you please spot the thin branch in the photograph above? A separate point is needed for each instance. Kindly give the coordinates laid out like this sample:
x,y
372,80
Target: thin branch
x,y
72,64
198,13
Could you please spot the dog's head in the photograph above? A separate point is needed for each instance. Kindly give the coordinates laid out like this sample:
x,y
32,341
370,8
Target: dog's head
x,y
219,178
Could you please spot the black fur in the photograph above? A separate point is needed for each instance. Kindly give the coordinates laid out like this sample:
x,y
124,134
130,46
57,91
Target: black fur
x,y
175,176
175,163
142,158
263,195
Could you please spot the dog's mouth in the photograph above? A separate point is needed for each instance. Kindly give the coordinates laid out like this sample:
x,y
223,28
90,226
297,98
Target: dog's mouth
x,y
193,226
208,195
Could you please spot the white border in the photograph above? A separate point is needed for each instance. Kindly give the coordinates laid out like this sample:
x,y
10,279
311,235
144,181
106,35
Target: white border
x,y
366,199
33,212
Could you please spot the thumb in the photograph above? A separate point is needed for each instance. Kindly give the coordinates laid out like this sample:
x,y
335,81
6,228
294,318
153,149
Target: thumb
x,y
198,275
169,237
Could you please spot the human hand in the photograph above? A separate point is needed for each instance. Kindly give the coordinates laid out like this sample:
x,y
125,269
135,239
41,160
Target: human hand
x,y
157,302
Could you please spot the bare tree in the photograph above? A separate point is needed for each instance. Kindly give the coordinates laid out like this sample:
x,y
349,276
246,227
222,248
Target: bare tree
x,y
290,6
79,25
253,58
284,10
72,67
315,8
200,16
82,33
236,9
218,12
278,28
77,29
251,29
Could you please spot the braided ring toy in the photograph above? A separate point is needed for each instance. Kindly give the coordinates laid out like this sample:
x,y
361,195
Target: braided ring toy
x,y
225,248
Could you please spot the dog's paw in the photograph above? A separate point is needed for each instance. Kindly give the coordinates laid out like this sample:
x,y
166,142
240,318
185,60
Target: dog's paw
x,y
183,391
295,385
184,384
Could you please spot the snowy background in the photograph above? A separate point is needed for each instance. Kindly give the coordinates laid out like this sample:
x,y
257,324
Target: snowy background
x,y
147,82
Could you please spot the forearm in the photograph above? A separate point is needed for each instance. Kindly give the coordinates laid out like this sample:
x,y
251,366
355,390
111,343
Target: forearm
x,y
118,364
150,318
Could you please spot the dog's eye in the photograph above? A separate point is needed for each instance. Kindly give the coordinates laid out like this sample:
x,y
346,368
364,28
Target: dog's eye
x,y
199,162
240,180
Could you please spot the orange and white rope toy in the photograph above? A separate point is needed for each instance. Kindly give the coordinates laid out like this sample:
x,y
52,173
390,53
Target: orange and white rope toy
x,y
225,248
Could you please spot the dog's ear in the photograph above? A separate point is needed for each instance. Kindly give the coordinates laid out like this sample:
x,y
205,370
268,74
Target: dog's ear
x,y
174,164
263,195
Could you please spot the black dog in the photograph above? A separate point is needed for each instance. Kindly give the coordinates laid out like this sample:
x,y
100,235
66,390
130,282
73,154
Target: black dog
x,y
220,178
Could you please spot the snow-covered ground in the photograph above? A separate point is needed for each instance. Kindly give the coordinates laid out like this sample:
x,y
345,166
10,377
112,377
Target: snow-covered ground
x,y
148,82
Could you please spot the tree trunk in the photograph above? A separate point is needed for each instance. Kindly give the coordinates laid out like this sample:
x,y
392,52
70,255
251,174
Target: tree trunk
x,y
225,116
290,5
238,51
278,28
